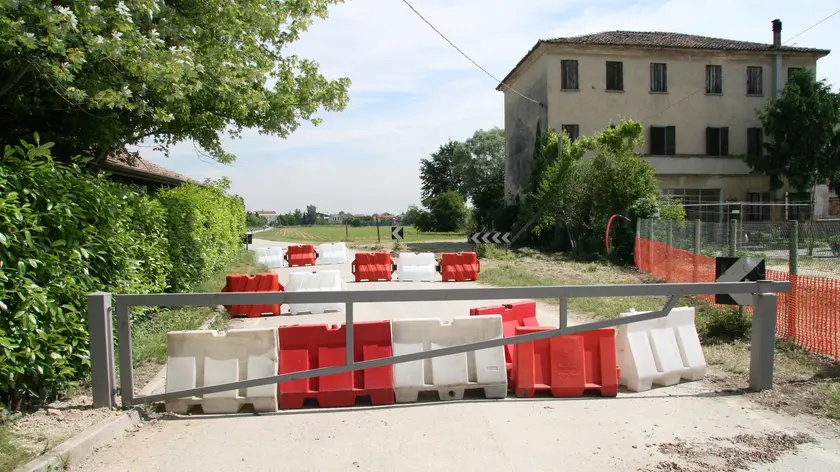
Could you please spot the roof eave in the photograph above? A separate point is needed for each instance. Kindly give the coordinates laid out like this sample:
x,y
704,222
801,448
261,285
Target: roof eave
x,y
819,53
148,176
518,65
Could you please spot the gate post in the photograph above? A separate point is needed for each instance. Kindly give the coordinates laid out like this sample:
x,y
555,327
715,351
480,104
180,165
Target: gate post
x,y
101,333
762,341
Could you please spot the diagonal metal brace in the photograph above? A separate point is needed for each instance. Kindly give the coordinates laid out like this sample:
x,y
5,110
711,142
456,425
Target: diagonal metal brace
x,y
672,302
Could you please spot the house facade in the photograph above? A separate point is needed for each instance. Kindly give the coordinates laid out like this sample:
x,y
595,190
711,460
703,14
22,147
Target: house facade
x,y
695,96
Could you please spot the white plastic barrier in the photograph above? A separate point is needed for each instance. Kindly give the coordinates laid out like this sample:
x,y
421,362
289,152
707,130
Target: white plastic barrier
x,y
320,281
660,351
412,267
332,253
271,257
204,358
449,375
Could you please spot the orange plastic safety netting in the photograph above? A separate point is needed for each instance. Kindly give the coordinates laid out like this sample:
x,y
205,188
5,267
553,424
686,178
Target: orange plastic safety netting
x,y
809,315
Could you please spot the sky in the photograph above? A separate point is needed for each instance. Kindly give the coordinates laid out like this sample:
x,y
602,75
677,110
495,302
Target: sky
x,y
411,91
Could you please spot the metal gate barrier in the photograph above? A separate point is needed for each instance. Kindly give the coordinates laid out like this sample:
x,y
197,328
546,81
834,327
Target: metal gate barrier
x,y
763,335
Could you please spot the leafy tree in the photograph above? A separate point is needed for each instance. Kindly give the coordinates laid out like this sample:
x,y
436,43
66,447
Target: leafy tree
x,y
446,170
96,76
410,216
486,179
579,195
447,210
474,168
297,217
311,216
804,146
253,220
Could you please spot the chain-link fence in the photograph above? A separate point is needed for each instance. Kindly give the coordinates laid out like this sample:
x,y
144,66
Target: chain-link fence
x,y
806,254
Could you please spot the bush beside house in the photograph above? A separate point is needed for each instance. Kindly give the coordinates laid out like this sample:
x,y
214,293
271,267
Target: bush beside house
x,y
66,232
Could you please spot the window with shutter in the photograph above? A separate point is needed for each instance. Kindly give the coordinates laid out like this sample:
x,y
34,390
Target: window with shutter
x,y
717,141
755,141
657,140
670,140
658,77
569,75
615,76
572,130
755,81
714,79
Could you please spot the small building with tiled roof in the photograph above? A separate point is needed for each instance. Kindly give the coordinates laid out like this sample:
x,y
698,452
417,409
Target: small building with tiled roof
x,y
696,96
142,172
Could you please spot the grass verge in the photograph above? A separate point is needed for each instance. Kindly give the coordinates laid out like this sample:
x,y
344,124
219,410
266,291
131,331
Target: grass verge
x,y
11,456
149,334
536,272
359,235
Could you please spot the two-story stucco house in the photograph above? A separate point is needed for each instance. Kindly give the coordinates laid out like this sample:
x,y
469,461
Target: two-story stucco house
x,y
696,97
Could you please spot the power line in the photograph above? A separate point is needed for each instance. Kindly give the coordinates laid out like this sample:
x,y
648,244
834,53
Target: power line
x,y
468,57
812,26
703,88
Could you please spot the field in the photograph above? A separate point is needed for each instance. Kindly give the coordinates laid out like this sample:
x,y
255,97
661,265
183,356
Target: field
x,y
358,235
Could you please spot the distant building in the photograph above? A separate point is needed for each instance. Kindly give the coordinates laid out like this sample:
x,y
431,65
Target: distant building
x,y
270,215
336,218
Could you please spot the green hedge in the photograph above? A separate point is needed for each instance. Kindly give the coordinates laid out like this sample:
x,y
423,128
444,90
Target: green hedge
x,y
66,232
205,231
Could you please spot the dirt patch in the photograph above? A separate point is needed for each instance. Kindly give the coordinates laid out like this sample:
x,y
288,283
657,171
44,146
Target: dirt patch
x,y
731,454
39,431
804,384
143,374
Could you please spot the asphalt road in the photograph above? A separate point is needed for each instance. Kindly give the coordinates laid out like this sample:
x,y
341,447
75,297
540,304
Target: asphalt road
x,y
522,435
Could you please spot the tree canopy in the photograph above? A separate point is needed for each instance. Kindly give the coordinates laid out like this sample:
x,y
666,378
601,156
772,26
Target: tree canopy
x,y
475,169
576,195
804,142
95,77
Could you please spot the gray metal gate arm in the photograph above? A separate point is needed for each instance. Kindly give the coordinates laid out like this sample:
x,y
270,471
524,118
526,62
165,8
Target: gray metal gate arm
x,y
452,294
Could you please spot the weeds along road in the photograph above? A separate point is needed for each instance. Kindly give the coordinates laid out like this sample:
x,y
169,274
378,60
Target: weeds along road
x,y
689,427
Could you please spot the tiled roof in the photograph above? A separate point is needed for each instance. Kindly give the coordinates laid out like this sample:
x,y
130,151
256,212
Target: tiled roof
x,y
674,40
265,212
146,168
662,40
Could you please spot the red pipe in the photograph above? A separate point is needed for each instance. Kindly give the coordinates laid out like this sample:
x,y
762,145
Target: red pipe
x,y
607,234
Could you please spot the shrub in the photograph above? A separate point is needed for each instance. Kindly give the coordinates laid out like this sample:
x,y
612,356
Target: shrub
x,y
205,228
447,212
715,324
64,233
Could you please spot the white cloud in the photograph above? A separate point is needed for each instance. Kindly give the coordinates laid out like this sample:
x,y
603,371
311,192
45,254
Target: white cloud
x,y
412,91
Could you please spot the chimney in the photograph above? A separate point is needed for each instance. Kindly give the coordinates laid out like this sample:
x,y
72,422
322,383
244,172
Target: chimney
x,y
777,33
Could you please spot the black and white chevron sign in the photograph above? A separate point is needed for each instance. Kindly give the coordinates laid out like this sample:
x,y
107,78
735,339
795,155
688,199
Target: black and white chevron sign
x,y
397,233
489,238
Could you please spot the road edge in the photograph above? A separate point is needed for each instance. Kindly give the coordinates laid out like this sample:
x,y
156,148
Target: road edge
x,y
80,446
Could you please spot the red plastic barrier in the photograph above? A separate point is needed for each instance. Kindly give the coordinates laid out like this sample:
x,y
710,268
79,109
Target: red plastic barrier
x,y
302,255
372,266
257,283
306,347
566,365
460,267
513,315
